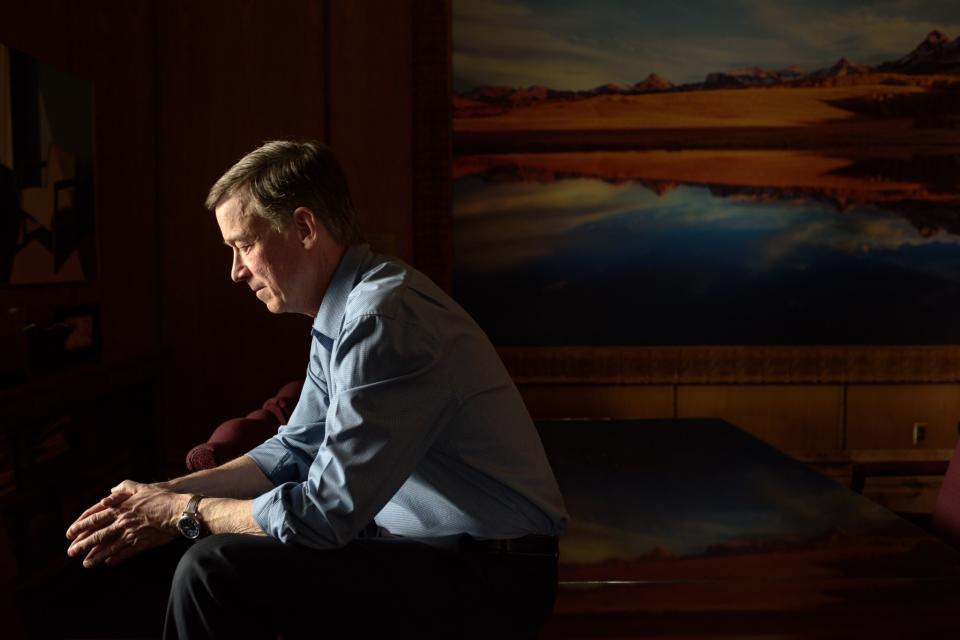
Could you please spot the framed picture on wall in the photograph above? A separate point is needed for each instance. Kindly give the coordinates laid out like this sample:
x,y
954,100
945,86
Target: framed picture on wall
x,y
47,215
703,192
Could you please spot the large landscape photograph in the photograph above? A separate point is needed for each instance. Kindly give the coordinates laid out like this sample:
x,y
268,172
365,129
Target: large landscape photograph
x,y
701,173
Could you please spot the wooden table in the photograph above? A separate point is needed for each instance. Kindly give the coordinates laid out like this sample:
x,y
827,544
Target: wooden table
x,y
693,528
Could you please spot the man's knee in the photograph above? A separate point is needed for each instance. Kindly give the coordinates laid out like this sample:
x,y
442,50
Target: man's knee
x,y
208,596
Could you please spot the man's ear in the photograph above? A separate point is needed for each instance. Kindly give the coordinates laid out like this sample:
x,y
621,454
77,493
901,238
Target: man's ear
x,y
306,225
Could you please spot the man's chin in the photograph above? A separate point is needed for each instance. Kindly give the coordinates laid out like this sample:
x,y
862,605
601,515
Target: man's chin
x,y
272,304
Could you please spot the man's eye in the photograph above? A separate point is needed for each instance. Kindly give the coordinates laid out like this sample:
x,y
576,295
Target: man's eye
x,y
245,248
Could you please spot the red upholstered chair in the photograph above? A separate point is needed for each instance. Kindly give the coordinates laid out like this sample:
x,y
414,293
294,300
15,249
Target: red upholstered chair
x,y
237,436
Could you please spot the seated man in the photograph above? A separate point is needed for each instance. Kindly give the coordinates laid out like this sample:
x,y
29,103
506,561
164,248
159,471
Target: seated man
x,y
409,488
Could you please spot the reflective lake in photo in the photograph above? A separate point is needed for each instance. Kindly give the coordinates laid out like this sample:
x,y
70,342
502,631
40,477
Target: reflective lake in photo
x,y
675,248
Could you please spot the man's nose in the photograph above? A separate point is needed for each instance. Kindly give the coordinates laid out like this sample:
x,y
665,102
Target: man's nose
x,y
238,272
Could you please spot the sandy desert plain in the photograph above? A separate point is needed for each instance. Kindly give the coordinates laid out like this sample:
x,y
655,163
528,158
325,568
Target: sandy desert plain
x,y
764,137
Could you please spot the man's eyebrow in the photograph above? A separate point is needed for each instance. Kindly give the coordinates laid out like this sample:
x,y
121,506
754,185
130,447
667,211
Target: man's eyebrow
x,y
234,240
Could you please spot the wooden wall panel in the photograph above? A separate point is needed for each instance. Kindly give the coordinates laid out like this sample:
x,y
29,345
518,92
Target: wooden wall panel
x,y
432,218
598,401
882,416
370,118
111,44
41,28
787,417
230,76
116,40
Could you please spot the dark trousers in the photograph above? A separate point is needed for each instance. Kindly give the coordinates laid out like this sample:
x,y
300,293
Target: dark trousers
x,y
230,586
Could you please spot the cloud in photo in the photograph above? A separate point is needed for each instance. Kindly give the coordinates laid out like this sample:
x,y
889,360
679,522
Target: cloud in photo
x,y
567,44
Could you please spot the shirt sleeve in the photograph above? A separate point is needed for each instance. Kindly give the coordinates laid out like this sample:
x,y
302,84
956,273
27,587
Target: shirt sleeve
x,y
287,456
389,400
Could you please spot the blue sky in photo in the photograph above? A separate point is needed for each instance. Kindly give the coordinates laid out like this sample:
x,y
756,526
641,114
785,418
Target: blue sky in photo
x,y
574,45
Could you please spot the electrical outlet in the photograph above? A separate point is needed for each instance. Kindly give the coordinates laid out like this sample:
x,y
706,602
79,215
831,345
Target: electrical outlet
x,y
919,432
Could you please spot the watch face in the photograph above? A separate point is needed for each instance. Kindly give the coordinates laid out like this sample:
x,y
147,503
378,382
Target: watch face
x,y
189,527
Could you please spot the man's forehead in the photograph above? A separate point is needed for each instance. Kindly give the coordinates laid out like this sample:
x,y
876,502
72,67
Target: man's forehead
x,y
235,205
237,220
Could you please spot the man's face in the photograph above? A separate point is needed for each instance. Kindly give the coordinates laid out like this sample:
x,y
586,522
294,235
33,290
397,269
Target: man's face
x,y
267,260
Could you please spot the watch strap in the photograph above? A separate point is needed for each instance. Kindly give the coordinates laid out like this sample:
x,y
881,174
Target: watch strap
x,y
193,504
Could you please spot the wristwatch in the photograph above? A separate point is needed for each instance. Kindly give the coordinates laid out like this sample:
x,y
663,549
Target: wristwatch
x,y
190,524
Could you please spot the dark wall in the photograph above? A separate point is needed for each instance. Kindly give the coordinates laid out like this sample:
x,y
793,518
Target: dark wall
x,y
110,44
182,90
229,76
370,114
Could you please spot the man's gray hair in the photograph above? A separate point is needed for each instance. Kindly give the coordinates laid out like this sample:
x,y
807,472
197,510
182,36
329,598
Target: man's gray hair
x,y
281,175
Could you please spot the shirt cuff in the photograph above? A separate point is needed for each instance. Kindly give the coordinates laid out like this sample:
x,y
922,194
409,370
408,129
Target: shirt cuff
x,y
268,511
273,459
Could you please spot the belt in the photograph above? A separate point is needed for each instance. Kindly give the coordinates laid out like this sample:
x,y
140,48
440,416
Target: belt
x,y
530,545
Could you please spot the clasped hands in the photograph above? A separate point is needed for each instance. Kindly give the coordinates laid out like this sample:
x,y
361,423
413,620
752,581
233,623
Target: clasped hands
x,y
133,518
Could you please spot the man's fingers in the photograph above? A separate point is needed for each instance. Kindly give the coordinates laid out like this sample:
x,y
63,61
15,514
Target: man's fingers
x,y
93,553
83,535
97,507
101,553
86,514
96,521
108,502
115,498
121,555
127,486
97,538
119,550
120,525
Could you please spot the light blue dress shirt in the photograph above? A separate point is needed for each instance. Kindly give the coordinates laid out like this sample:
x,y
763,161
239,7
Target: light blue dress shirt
x,y
407,417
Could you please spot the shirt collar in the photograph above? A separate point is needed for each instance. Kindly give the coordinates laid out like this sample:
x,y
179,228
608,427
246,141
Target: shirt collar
x,y
334,304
